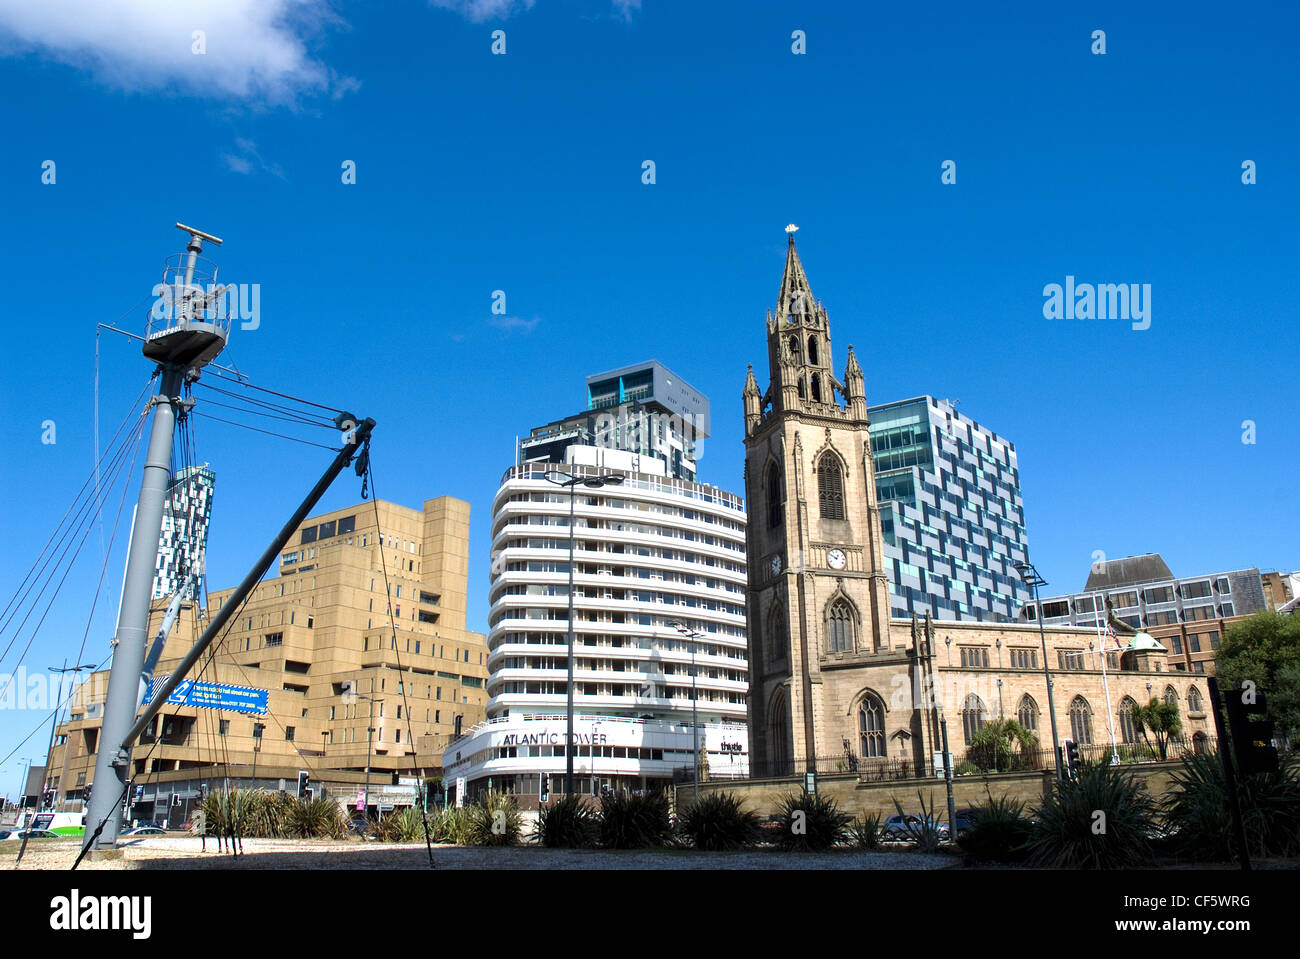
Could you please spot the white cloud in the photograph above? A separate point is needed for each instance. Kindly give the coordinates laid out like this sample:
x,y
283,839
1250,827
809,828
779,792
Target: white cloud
x,y
480,10
256,50
515,324
247,160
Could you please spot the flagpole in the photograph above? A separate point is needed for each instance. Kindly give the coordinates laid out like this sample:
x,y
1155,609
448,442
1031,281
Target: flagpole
x,y
1101,643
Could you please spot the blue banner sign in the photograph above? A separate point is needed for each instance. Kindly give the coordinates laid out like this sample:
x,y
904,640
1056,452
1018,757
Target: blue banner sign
x,y
235,699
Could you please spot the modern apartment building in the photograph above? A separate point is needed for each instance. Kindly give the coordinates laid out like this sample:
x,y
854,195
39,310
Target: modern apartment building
x,y
644,409
950,512
310,674
183,540
659,605
1188,615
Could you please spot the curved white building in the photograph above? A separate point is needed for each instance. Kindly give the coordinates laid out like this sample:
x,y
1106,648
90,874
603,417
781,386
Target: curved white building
x,y
654,556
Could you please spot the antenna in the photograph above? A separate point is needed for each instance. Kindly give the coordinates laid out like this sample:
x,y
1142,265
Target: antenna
x,y
199,234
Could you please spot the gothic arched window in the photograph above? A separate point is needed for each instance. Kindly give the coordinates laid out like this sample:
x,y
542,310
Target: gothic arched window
x,y
973,716
830,486
799,387
1081,721
1027,713
774,492
1171,696
839,627
1127,728
794,347
812,350
1193,700
778,636
871,727
816,388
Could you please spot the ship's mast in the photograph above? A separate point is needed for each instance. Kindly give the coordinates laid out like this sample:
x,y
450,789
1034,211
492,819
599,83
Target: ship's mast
x,y
183,335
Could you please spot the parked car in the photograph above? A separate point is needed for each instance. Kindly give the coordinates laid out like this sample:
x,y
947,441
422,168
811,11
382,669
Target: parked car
x,y
145,831
363,828
33,834
963,819
902,828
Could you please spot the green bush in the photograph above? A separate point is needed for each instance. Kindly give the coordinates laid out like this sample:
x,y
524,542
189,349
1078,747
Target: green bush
x,y
718,822
450,825
864,832
967,768
315,819
1102,820
568,823
250,813
635,822
404,826
494,821
999,831
1198,816
811,823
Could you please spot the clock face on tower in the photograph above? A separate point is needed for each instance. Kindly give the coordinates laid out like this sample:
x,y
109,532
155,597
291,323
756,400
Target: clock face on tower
x,y
775,564
836,558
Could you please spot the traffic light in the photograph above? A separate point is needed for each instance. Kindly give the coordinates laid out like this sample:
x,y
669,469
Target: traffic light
x,y
303,776
544,793
1251,738
1072,759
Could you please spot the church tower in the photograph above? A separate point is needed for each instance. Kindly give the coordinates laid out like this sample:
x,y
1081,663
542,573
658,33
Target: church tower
x,y
818,596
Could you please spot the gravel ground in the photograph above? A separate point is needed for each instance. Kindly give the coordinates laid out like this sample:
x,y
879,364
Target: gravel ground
x,y
182,852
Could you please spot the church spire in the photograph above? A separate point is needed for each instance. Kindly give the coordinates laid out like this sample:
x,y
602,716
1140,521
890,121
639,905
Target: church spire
x,y
795,297
753,402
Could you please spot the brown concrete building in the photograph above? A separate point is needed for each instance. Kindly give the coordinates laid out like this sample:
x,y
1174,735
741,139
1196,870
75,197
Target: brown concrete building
x,y
835,682
317,638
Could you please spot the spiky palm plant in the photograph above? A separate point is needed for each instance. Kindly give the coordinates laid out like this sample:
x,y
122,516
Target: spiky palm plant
x,y
811,823
1197,813
568,823
999,831
719,822
1104,819
494,820
634,822
996,744
1161,718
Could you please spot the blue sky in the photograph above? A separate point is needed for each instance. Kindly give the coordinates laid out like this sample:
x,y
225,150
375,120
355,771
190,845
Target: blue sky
x,y
523,173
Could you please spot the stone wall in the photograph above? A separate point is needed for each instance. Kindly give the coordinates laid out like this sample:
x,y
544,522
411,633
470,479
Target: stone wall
x,y
858,798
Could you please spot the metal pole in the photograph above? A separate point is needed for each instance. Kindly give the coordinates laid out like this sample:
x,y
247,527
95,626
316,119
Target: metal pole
x,y
568,745
1051,705
113,761
695,722
370,729
54,725
1110,719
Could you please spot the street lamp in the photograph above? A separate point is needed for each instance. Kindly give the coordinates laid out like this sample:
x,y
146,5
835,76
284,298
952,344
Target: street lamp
x,y
22,787
1033,581
54,725
257,748
370,715
695,725
571,482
